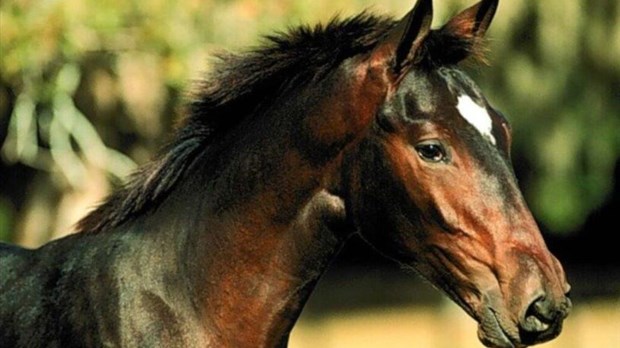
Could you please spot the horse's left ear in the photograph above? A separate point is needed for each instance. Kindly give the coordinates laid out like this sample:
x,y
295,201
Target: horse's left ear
x,y
473,22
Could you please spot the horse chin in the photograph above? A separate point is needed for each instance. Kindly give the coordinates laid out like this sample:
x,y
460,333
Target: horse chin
x,y
495,332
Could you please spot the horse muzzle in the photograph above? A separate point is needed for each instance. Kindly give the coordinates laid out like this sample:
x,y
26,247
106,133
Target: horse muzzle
x,y
541,321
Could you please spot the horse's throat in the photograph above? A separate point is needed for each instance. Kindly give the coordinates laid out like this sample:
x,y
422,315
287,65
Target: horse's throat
x,y
257,285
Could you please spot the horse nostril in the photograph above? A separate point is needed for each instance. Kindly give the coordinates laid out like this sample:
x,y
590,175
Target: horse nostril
x,y
542,314
540,309
537,318
543,319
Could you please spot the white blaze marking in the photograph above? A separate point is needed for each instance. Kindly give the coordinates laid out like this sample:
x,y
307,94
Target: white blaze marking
x,y
477,116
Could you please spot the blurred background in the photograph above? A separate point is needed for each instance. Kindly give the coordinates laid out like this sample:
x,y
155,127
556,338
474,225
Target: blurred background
x,y
90,89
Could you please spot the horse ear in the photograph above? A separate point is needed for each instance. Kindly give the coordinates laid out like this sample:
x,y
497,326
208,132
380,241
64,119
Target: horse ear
x,y
473,22
400,46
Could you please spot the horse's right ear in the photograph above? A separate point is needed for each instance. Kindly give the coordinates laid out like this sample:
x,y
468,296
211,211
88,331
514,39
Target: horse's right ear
x,y
400,46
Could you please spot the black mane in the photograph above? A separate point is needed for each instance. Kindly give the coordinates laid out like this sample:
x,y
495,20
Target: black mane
x,y
243,83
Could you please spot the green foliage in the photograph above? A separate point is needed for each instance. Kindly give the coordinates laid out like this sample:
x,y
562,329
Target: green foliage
x,y
6,215
123,68
556,71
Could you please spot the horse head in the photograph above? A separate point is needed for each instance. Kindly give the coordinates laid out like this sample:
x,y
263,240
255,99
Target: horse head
x,y
431,185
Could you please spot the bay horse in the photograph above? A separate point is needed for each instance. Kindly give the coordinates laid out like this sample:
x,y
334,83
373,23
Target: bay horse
x,y
361,126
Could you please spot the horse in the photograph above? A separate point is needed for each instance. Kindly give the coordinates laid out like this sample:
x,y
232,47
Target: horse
x,y
366,125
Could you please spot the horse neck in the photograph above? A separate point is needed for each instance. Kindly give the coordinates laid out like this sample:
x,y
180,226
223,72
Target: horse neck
x,y
251,283
254,263
270,220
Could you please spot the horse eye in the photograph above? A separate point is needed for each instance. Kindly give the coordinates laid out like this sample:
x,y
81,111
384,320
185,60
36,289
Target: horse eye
x,y
432,152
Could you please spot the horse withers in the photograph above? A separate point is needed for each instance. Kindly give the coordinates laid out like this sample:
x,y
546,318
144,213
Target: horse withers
x,y
362,126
